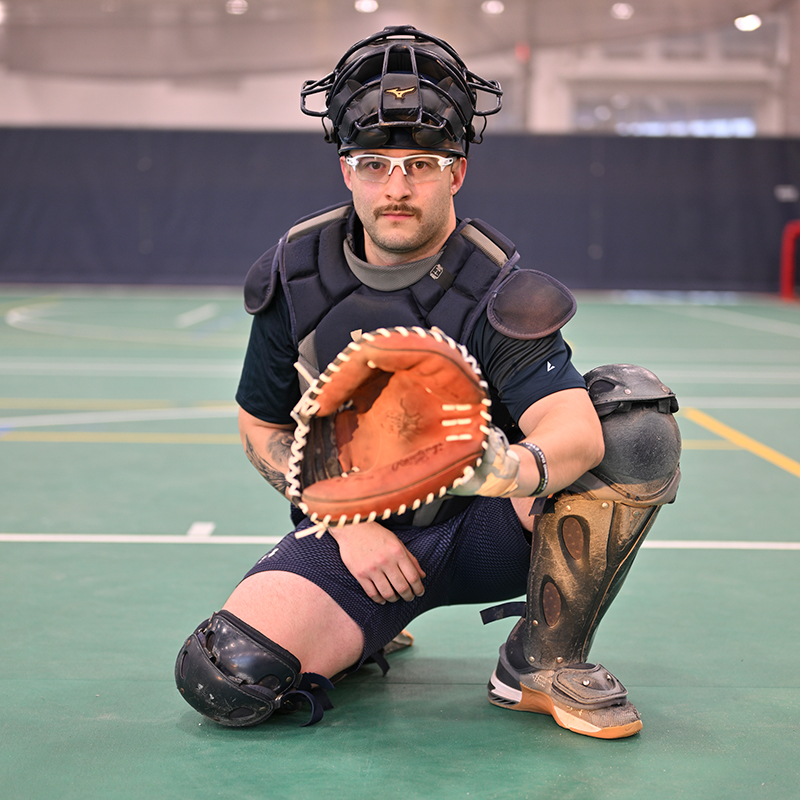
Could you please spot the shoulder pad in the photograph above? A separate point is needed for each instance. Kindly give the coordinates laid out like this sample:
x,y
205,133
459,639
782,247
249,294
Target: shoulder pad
x,y
317,221
259,285
530,305
490,242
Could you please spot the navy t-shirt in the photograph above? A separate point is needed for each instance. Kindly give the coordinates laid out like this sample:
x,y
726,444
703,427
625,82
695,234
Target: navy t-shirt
x,y
518,371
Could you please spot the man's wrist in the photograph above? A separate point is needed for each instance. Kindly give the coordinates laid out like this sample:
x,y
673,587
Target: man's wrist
x,y
541,464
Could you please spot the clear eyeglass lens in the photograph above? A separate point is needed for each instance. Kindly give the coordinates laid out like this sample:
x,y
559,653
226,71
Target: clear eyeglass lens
x,y
418,169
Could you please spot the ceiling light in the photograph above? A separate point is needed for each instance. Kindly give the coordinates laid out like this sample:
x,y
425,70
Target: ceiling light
x,y
749,23
366,6
622,11
2,13
492,7
236,6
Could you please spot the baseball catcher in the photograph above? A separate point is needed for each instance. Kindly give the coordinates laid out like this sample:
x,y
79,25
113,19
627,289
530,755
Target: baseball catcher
x,y
408,390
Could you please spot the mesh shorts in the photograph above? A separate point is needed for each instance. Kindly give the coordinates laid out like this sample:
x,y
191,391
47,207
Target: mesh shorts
x,y
481,555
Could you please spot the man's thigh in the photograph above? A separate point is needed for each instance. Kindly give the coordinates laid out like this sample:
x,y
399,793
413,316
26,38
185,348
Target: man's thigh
x,y
301,617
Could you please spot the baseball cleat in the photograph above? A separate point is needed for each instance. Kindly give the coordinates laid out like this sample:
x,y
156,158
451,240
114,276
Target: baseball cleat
x,y
583,698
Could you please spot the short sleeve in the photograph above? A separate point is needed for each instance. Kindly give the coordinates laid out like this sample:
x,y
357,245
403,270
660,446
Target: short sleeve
x,y
269,387
522,371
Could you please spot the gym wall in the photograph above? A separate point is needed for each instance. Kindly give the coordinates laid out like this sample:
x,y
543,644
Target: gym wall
x,y
198,207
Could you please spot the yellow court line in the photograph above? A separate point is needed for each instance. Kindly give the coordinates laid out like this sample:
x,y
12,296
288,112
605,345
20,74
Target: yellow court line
x,y
741,440
709,444
119,438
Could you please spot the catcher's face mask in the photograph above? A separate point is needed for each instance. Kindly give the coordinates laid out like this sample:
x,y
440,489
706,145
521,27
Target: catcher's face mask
x,y
402,89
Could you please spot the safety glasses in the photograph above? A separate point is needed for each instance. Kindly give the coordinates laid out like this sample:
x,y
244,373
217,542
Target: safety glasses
x,y
417,169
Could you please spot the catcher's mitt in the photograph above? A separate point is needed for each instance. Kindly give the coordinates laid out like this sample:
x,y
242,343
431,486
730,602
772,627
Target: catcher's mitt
x,y
399,417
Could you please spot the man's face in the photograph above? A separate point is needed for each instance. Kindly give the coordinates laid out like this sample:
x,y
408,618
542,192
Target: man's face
x,y
404,221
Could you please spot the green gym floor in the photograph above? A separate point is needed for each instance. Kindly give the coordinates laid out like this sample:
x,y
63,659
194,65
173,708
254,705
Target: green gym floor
x,y
128,512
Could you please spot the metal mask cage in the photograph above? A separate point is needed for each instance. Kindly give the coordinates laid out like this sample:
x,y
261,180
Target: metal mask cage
x,y
401,88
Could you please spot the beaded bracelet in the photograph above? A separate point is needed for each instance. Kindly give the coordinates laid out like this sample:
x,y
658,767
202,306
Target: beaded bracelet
x,y
541,462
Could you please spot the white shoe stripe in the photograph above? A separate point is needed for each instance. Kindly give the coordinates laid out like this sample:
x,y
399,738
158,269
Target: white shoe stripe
x,y
506,692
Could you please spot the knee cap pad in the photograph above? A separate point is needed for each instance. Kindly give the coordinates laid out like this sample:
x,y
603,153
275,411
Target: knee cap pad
x,y
233,674
642,439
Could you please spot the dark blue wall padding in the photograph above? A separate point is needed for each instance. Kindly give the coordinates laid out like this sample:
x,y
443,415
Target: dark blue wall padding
x,y
198,207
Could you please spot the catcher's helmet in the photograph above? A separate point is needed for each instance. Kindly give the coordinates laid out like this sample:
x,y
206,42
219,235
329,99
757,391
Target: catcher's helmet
x,y
401,89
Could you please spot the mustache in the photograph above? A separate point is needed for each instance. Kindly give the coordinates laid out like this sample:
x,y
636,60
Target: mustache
x,y
396,208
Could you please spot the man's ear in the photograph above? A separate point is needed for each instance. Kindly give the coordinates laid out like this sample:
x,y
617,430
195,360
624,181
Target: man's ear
x,y
457,174
346,173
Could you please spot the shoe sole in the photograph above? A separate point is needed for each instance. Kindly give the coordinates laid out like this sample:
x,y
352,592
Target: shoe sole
x,y
527,699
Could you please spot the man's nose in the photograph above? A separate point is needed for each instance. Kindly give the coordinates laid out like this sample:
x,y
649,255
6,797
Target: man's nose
x,y
397,182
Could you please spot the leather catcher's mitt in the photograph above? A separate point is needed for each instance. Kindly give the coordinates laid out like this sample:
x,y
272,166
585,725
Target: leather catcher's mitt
x,y
397,418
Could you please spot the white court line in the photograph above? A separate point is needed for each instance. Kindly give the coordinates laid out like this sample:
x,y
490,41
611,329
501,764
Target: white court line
x,y
116,368
716,376
738,319
189,318
664,357
666,544
34,318
201,529
100,417
123,538
114,538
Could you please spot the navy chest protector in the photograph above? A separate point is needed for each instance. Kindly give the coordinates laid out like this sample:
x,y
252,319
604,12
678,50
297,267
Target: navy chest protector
x,y
477,273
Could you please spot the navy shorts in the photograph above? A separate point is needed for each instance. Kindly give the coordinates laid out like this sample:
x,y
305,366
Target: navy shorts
x,y
481,555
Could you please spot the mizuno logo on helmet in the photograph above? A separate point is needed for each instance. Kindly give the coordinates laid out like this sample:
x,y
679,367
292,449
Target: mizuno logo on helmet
x,y
401,93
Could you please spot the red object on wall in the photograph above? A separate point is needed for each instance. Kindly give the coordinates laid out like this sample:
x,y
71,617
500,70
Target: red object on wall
x,y
791,232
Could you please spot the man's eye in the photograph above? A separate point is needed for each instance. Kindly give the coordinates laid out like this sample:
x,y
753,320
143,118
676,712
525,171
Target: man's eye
x,y
373,166
421,166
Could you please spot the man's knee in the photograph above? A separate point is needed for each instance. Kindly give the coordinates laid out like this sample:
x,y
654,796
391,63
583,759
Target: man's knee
x,y
642,438
238,677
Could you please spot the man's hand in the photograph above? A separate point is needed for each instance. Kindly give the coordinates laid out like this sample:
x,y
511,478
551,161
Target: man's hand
x,y
498,473
380,562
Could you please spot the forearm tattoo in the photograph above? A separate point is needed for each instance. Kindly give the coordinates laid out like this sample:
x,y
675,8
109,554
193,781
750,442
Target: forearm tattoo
x,y
278,449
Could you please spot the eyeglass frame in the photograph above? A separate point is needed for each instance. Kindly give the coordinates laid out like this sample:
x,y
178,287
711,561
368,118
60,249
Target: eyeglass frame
x,y
443,161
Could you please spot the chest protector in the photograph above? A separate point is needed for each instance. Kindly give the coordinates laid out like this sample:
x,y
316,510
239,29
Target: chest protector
x,y
328,305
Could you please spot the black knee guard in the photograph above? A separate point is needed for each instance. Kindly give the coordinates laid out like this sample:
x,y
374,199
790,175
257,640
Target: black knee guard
x,y
642,440
235,675
589,534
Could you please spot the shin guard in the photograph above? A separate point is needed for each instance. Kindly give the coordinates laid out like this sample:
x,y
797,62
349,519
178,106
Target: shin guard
x,y
582,553
583,547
